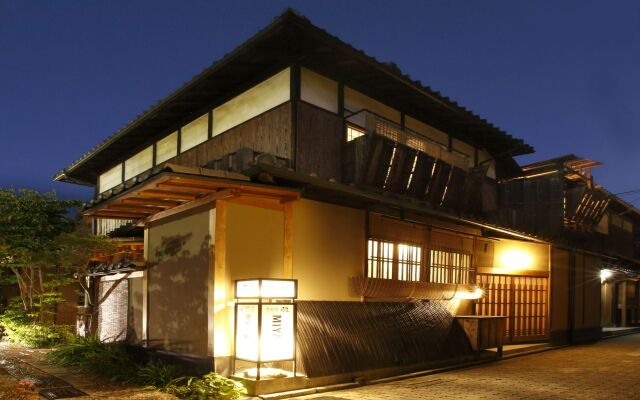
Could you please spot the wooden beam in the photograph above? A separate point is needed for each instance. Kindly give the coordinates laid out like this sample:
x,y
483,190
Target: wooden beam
x,y
204,182
153,202
286,200
167,194
187,186
257,202
244,185
120,215
133,208
210,198
108,211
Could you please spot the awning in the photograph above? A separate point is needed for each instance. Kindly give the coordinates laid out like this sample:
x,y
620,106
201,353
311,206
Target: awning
x,y
176,188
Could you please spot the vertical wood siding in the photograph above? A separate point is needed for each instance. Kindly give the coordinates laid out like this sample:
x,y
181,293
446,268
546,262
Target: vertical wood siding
x,y
269,132
319,143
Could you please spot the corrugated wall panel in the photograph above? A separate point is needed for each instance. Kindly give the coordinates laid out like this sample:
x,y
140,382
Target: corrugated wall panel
x,y
342,337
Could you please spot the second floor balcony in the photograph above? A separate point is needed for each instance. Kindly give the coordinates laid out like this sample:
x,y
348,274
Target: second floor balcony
x,y
381,155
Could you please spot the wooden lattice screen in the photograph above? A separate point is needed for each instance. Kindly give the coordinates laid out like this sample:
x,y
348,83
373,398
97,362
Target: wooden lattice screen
x,y
522,299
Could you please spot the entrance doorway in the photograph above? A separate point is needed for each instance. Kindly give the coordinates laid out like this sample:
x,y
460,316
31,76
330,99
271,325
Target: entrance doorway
x,y
522,299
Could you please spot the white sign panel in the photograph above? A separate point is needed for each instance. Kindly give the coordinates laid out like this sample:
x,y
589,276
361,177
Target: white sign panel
x,y
277,332
247,332
278,289
266,288
248,289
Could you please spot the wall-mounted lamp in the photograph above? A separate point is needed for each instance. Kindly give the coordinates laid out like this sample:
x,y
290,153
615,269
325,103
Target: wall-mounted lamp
x,y
516,260
605,274
468,295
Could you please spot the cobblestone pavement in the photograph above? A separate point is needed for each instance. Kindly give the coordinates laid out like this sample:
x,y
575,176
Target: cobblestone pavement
x,y
609,369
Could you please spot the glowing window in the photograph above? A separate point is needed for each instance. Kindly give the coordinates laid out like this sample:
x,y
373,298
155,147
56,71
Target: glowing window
x,y
380,259
388,260
450,266
409,258
354,132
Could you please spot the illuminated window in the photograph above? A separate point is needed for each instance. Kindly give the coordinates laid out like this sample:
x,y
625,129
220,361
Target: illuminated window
x,y
388,260
409,258
450,266
354,132
413,171
393,160
380,259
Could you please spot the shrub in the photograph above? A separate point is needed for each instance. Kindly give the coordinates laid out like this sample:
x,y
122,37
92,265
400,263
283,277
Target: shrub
x,y
156,374
19,328
210,386
89,354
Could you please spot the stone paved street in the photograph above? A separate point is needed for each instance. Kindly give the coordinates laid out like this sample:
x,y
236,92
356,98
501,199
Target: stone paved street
x,y
609,369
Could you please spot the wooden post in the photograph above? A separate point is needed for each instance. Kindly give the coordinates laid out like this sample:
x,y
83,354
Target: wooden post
x,y
222,343
145,291
288,241
211,281
295,98
623,305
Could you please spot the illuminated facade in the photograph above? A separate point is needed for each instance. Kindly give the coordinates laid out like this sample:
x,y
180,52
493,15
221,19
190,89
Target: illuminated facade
x,y
300,157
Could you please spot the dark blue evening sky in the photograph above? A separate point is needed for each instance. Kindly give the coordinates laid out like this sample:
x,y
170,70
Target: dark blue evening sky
x,y
561,75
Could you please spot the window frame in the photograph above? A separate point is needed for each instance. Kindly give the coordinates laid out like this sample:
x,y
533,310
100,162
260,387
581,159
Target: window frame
x,y
431,264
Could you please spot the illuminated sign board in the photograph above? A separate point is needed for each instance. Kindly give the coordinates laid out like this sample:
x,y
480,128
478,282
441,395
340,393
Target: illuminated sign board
x,y
265,320
277,334
247,331
266,289
276,339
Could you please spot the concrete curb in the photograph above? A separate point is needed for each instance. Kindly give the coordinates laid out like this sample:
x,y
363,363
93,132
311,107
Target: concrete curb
x,y
615,335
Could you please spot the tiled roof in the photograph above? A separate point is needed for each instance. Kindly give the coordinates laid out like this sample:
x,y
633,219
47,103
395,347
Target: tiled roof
x,y
288,18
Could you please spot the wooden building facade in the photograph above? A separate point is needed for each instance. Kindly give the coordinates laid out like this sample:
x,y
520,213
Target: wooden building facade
x,y
298,156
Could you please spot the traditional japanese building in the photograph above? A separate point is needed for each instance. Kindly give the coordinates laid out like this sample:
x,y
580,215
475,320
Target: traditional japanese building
x,y
297,156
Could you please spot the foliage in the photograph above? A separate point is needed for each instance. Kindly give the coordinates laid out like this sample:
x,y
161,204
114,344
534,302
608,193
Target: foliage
x,y
89,354
21,390
20,328
156,374
210,386
29,225
75,251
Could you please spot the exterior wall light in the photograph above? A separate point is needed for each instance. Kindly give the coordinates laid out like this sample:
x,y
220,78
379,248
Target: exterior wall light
x,y
469,295
265,324
605,274
516,260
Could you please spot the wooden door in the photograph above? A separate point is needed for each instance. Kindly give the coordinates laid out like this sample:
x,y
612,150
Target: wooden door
x,y
522,299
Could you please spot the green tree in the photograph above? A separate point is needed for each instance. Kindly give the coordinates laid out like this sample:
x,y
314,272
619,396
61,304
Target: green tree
x,y
30,227
76,251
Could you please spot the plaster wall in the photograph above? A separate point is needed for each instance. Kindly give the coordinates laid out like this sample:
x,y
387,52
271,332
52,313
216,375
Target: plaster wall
x,y
328,249
318,90
249,244
136,313
178,276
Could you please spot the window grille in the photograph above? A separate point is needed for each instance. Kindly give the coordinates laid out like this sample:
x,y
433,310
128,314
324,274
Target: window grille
x,y
409,260
388,260
450,266
380,259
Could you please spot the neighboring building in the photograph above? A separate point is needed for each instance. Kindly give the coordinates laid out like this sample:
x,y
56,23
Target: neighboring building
x,y
595,229
298,156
